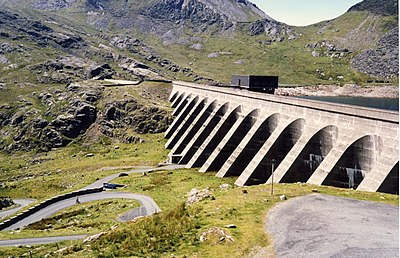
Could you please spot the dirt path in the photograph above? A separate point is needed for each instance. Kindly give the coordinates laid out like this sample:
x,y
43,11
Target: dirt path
x,y
326,226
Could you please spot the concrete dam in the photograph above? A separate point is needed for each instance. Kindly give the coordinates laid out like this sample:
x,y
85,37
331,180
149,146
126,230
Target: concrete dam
x,y
253,135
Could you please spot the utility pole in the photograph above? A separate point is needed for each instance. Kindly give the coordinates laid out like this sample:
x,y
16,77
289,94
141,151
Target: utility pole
x,y
272,175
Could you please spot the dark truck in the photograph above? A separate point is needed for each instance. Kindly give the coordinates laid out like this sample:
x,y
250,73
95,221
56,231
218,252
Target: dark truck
x,y
258,83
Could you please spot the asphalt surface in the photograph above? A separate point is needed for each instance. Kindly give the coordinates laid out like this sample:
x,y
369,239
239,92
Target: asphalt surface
x,y
148,207
21,204
326,226
39,240
148,203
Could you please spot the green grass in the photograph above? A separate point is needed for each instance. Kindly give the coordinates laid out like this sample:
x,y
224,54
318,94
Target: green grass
x,y
68,169
169,189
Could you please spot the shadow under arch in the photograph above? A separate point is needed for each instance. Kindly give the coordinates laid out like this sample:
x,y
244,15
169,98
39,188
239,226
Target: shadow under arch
x,y
174,97
315,151
195,110
217,138
226,151
278,151
204,134
210,108
355,163
391,183
182,117
254,145
178,100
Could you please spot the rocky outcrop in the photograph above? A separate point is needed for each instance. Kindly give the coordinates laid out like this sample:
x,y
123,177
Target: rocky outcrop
x,y
382,61
52,5
272,29
385,7
198,14
70,114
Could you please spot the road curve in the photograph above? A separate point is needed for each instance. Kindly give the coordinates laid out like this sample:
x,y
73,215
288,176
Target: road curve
x,y
148,204
148,207
21,204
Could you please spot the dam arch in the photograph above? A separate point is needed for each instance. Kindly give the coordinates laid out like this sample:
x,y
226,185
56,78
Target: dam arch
x,y
356,127
312,155
220,131
196,127
279,149
358,159
219,158
191,149
194,111
391,183
241,161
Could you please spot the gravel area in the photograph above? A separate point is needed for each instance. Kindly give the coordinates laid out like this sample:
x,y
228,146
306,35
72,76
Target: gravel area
x,y
348,90
319,225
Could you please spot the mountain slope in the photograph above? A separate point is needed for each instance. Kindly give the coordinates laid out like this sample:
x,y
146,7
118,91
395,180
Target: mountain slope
x,y
47,46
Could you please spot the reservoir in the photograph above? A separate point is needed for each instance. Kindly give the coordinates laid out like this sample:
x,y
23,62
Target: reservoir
x,y
380,103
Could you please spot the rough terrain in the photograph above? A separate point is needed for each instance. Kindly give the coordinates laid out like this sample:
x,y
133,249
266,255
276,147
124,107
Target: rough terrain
x,y
348,90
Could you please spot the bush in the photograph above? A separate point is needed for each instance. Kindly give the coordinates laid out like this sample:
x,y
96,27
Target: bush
x,y
6,202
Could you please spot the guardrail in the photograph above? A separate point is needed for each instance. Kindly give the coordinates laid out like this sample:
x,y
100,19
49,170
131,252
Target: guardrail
x,y
7,223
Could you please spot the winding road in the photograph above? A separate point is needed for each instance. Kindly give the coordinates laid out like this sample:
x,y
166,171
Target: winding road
x,y
148,207
21,204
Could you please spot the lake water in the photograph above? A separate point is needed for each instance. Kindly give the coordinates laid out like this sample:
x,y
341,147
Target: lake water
x,y
381,103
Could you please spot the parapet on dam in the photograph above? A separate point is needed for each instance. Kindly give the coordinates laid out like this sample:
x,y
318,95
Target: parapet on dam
x,y
248,134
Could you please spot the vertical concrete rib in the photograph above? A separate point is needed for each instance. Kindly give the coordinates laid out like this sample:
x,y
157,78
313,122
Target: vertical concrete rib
x,y
178,120
194,128
185,124
218,133
230,141
212,121
173,96
305,157
376,179
249,147
178,100
391,183
275,148
182,105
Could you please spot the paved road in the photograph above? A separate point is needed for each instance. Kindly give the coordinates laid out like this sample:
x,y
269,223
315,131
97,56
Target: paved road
x,y
39,240
148,204
326,226
148,207
21,204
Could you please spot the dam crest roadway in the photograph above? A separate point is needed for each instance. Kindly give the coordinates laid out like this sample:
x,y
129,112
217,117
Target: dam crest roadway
x,y
248,135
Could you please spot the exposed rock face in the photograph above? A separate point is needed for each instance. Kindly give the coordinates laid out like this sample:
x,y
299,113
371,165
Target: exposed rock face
x,y
52,5
385,7
71,114
193,11
382,61
273,29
